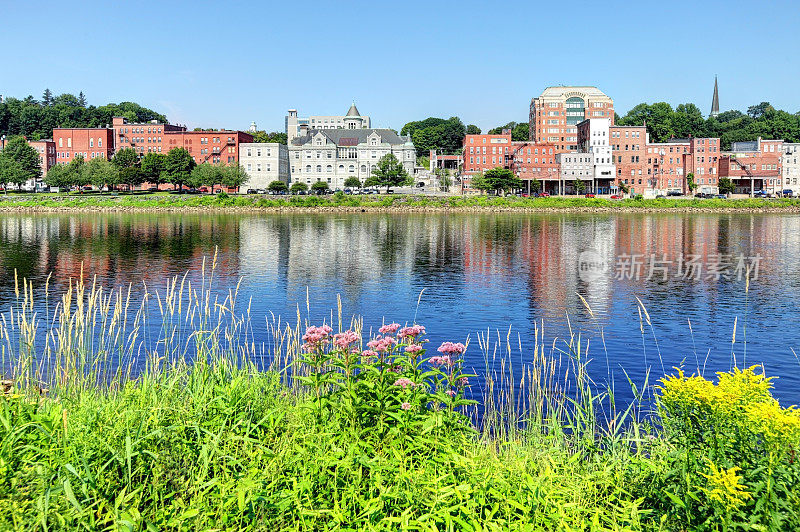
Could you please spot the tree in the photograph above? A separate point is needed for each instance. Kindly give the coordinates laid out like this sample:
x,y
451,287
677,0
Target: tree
x,y
472,129
445,136
77,176
153,166
726,186
59,176
536,185
275,136
389,172
81,99
47,98
233,176
479,182
11,172
352,182
205,174
278,186
501,180
18,150
519,130
125,158
131,176
623,187
445,182
178,166
579,185
757,111
320,187
99,172
297,186
690,184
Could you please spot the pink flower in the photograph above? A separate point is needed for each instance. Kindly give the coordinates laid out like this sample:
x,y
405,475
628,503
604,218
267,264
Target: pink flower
x,y
406,406
345,339
411,332
463,381
413,349
441,361
404,382
389,329
369,354
382,345
449,348
316,337
451,393
396,369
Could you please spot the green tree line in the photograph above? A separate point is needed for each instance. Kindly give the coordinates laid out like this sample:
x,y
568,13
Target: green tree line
x,y
761,120
36,118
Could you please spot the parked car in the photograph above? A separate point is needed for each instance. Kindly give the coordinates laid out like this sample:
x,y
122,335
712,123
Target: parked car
x,y
661,196
542,194
590,195
616,197
525,195
87,188
252,191
347,191
152,189
674,193
721,196
788,193
760,194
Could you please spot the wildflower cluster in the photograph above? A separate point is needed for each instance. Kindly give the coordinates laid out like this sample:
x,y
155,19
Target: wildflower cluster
x,y
389,386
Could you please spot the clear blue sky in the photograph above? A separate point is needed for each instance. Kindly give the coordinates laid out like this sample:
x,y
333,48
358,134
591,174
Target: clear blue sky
x,y
223,64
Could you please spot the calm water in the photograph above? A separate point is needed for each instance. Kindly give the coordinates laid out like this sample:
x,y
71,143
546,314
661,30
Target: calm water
x,y
474,272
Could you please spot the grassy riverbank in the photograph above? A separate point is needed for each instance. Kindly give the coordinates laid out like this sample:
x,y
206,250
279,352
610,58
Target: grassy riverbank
x,y
384,203
310,432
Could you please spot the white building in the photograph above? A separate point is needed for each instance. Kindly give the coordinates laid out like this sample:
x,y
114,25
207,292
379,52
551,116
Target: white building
x,y
592,162
264,163
791,167
333,155
351,120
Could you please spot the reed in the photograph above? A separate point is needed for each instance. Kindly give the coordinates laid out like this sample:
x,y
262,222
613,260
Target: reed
x,y
176,408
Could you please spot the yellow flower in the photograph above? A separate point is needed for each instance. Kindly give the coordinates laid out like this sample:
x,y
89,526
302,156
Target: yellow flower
x,y
725,487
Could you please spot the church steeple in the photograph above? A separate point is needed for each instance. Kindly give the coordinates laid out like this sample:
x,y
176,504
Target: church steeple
x,y
715,99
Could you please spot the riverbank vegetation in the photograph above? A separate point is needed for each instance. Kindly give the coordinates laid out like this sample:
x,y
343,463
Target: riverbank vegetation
x,y
167,410
400,202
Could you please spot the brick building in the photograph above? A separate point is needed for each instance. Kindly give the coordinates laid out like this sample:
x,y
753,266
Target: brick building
x,y
628,148
207,146
530,161
46,149
754,165
556,113
91,143
142,137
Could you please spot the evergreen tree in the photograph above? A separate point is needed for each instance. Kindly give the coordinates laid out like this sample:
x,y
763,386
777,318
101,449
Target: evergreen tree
x,y
47,98
81,99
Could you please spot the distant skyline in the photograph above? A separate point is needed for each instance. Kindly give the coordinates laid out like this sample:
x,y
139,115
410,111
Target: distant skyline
x,y
207,64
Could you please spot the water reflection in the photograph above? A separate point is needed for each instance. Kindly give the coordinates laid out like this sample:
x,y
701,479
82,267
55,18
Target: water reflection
x,y
476,271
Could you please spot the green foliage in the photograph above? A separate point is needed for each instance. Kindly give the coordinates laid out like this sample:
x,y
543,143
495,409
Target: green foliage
x,y
446,136
579,186
99,172
519,130
389,172
726,186
500,180
690,183
233,176
153,167
26,159
36,120
11,172
320,187
298,186
275,136
126,158
277,186
178,166
352,182
472,129
204,174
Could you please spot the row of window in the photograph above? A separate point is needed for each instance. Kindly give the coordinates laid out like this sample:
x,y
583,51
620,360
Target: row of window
x,y
140,130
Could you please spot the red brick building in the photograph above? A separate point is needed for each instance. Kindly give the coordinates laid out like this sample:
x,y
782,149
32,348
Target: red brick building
x,y
530,161
556,113
46,149
142,137
628,148
753,165
91,143
208,146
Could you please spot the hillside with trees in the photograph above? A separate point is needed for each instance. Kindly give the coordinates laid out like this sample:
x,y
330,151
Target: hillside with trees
x,y
36,118
446,136
761,120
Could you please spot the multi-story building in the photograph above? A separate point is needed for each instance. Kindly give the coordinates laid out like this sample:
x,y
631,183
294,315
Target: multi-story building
x,y
791,167
628,145
351,120
556,113
90,143
220,146
264,163
142,137
46,149
532,161
753,165
484,152
333,155
592,162
703,162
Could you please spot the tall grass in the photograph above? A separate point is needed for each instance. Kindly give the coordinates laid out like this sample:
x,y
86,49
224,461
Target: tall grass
x,y
161,409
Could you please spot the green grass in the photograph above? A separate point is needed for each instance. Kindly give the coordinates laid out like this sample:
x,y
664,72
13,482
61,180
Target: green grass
x,y
318,440
177,201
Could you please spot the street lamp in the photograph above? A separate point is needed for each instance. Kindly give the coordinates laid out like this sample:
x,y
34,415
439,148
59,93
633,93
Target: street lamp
x,y
3,139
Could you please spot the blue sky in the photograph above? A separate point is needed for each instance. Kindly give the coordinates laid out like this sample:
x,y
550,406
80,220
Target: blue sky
x,y
224,64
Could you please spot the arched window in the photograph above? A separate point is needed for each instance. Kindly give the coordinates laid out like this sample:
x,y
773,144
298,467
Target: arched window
x,y
329,169
308,168
319,168
363,168
351,169
341,168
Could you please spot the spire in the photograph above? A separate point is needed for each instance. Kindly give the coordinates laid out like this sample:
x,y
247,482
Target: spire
x,y
353,111
715,99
